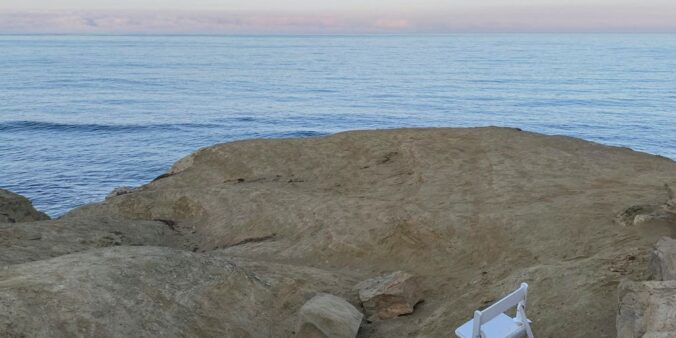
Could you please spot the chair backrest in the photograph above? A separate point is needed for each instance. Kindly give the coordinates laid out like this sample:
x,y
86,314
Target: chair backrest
x,y
504,304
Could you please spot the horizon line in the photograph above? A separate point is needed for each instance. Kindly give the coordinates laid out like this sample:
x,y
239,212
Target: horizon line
x,y
283,34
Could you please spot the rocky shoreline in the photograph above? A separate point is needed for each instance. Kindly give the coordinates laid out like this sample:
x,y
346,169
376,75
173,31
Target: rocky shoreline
x,y
386,233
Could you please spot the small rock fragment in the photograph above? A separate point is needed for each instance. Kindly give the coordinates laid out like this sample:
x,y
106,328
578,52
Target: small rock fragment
x,y
328,316
389,296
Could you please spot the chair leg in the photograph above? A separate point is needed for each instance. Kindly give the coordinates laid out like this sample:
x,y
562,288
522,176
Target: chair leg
x,y
521,316
476,322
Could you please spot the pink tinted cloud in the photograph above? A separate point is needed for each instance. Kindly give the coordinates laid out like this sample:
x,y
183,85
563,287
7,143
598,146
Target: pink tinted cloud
x,y
398,24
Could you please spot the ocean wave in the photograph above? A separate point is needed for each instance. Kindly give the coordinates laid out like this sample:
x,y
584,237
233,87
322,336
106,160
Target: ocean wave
x,y
17,126
41,126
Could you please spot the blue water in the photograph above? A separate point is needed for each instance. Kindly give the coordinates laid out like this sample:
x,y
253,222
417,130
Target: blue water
x,y
80,115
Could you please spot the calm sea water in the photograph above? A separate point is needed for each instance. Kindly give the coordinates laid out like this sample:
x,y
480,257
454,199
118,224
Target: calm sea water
x,y
80,115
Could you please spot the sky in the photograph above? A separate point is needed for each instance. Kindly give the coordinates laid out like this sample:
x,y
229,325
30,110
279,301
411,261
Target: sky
x,y
334,16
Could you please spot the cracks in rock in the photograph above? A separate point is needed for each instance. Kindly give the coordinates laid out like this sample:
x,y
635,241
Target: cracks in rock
x,y
388,157
171,224
253,240
244,180
250,275
165,175
276,178
9,219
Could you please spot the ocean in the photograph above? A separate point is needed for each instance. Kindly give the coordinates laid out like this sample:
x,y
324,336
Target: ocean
x,y
81,115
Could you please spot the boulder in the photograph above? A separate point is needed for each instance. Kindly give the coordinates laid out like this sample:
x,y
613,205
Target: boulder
x,y
390,295
15,208
328,316
663,260
646,309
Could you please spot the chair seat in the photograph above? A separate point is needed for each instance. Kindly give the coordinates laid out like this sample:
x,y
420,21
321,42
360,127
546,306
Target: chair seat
x,y
502,326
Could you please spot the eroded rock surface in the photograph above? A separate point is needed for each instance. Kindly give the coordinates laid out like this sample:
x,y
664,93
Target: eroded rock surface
x,y
328,316
389,296
33,241
153,292
663,260
652,218
647,309
471,212
15,208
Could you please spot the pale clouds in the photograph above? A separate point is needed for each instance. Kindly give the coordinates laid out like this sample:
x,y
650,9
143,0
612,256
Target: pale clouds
x,y
504,19
175,22
399,24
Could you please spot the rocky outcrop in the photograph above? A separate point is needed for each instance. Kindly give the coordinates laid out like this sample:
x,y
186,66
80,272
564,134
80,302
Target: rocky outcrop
x,y
34,241
663,260
646,309
15,208
470,212
153,292
390,295
328,316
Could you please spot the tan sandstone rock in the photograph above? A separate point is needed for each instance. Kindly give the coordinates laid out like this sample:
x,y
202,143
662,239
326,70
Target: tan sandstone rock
x,y
663,260
328,316
390,295
15,208
471,211
646,309
35,241
148,291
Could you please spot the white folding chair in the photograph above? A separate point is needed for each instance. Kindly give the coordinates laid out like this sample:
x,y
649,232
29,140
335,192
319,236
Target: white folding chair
x,y
493,323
